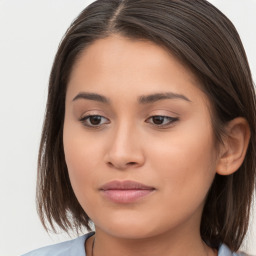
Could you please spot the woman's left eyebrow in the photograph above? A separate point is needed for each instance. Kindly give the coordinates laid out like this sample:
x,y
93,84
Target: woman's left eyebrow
x,y
151,98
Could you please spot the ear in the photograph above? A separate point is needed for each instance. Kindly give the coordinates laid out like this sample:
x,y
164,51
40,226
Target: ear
x,y
234,147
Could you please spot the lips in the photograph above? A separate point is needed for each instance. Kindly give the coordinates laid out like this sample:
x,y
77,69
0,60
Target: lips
x,y
125,191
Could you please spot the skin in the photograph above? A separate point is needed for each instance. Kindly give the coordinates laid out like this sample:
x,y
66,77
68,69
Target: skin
x,y
178,157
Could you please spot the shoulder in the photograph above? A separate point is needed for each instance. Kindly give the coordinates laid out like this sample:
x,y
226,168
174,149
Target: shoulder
x,y
225,251
73,247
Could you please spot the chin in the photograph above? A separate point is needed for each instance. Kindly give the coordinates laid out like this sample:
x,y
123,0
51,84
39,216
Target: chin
x,y
129,228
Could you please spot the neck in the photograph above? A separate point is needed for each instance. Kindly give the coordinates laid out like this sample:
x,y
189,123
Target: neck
x,y
164,245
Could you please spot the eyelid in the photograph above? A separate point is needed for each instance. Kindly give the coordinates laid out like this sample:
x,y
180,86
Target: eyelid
x,y
170,123
94,126
93,113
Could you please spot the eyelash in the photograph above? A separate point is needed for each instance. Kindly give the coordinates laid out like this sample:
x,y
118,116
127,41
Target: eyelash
x,y
167,121
84,120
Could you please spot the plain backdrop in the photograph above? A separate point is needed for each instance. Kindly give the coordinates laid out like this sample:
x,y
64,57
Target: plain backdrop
x,y
30,31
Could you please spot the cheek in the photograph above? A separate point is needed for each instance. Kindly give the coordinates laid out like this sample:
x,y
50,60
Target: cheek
x,y
82,152
82,159
186,163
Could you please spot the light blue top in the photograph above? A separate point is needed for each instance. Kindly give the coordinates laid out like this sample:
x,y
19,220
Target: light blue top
x,y
75,247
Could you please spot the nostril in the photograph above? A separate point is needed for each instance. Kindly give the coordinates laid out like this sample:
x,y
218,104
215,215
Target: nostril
x,y
121,165
110,164
131,163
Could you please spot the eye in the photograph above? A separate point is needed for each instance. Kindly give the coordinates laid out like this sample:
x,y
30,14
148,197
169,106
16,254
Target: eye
x,y
94,121
161,121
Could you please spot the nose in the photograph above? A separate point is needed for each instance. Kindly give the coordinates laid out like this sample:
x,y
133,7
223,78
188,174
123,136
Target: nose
x,y
125,149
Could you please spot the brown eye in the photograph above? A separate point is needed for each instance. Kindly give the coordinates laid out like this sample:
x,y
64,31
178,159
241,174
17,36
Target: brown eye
x,y
158,119
94,120
161,121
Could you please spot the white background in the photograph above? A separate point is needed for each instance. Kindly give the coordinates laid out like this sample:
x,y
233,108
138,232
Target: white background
x,y
30,31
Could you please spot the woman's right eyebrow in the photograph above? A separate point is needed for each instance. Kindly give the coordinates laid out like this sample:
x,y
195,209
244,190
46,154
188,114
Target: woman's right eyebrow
x,y
91,96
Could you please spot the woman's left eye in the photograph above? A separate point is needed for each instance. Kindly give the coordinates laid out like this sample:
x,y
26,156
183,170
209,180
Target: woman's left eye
x,y
161,121
94,121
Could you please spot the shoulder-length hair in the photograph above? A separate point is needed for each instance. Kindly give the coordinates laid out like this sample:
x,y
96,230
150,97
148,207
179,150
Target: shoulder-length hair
x,y
204,40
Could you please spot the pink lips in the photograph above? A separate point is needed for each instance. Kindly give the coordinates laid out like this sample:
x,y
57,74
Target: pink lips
x,y
125,191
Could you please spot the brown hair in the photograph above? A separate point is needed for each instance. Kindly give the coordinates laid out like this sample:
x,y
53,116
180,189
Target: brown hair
x,y
202,38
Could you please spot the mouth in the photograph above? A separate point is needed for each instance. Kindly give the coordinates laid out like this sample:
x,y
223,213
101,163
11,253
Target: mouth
x,y
125,191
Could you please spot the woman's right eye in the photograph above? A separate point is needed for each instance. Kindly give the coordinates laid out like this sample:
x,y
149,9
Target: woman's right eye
x,y
94,121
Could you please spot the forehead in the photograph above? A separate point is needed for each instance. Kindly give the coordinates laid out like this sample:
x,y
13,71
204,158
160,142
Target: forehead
x,y
130,67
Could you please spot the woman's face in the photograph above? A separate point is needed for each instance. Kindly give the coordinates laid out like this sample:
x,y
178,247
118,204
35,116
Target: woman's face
x,y
134,114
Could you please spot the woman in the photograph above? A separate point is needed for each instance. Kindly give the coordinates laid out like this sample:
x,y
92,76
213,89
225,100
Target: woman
x,y
149,132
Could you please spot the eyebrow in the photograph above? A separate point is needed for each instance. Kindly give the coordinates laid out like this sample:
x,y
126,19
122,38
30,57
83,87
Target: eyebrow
x,y
144,99
91,96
